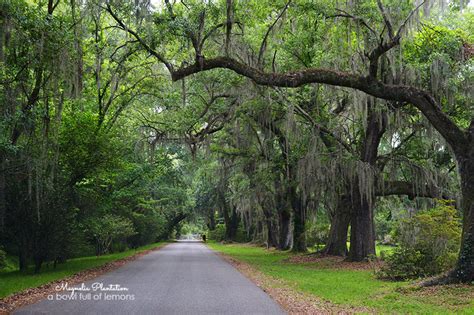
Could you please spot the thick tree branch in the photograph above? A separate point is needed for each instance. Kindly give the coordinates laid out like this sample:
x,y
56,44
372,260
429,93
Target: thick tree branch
x,y
426,103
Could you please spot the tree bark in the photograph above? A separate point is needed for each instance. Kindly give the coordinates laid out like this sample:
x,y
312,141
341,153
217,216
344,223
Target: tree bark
x,y
362,217
266,205
271,235
362,226
284,220
337,240
299,221
464,271
211,222
231,224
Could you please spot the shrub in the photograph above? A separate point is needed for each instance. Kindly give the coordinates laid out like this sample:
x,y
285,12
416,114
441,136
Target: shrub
x,y
218,233
427,244
108,229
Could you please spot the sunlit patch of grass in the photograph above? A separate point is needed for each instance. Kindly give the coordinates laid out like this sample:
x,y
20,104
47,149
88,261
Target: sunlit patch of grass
x,y
352,288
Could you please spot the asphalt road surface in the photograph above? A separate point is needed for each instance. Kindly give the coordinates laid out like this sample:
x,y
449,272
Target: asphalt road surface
x,y
181,278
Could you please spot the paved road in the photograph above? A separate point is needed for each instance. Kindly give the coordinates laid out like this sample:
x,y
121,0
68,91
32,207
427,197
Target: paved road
x,y
181,278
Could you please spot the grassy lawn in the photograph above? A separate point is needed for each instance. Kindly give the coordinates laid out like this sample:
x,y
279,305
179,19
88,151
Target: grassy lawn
x,y
15,281
348,287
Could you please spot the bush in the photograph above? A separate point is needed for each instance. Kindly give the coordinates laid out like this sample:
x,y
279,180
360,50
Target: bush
x,y
218,233
148,226
428,244
108,229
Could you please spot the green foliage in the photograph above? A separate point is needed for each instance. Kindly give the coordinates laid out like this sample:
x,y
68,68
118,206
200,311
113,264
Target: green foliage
x,y
192,229
435,40
218,234
428,244
108,229
148,226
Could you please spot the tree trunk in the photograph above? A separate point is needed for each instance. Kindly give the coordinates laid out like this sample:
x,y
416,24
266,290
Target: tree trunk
x,y
299,221
170,225
362,226
337,241
362,218
211,223
284,219
231,223
38,264
230,217
464,271
267,206
22,257
271,235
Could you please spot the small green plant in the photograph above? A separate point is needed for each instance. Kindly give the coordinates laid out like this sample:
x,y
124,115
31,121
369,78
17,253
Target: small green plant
x,y
428,244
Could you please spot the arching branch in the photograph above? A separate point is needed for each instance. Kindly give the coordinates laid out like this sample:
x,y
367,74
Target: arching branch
x,y
425,102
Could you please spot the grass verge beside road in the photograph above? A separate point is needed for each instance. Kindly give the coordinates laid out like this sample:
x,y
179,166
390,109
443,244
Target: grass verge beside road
x,y
351,285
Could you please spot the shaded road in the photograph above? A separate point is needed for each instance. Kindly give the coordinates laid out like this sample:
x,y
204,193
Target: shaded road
x,y
181,278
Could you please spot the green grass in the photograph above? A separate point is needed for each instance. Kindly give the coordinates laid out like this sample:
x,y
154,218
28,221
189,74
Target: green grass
x,y
357,288
15,281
